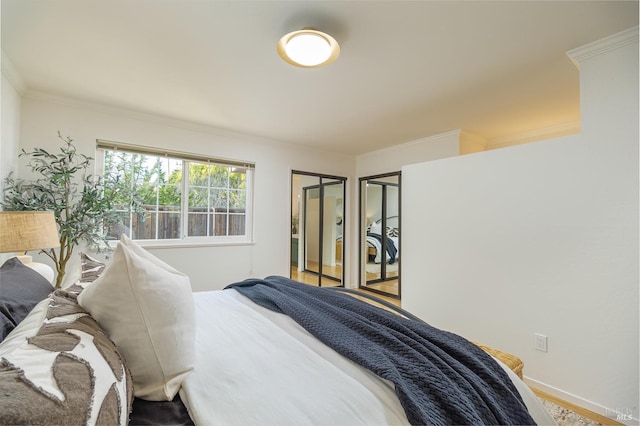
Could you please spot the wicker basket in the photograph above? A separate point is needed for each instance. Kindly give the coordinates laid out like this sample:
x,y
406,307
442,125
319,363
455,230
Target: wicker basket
x,y
511,361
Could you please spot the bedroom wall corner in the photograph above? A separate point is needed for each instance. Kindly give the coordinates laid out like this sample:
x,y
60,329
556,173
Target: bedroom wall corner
x,y
542,238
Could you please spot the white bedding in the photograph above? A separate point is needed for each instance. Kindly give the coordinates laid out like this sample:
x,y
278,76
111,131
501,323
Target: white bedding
x,y
378,246
254,366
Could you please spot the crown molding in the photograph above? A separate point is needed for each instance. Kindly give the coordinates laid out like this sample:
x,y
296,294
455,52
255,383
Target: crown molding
x,y
163,120
10,72
470,143
138,115
604,45
445,135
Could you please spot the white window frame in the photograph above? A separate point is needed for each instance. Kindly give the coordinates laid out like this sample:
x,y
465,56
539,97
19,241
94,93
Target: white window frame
x,y
187,241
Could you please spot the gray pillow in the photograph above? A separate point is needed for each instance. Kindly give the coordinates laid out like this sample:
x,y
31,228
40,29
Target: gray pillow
x,y
21,288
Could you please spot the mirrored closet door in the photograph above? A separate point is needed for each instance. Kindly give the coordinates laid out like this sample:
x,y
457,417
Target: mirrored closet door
x,y
317,224
380,234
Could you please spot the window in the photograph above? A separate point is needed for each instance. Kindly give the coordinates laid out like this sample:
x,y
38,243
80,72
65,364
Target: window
x,y
170,196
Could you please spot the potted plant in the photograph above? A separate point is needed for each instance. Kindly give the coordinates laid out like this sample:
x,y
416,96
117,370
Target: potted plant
x,y
82,208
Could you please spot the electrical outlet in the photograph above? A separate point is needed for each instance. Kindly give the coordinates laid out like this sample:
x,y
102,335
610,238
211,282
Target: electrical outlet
x,y
540,342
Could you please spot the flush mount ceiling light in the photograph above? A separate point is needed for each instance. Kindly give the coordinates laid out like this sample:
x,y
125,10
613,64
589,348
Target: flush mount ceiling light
x,y
308,48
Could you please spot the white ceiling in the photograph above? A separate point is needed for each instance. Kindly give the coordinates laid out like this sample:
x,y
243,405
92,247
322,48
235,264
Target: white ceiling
x,y
407,69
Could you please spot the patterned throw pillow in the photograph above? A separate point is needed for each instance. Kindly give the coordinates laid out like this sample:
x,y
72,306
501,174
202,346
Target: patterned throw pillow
x,y
90,268
68,373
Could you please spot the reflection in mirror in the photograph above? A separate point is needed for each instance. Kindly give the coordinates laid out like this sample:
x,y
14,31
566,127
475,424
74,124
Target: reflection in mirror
x,y
317,222
380,234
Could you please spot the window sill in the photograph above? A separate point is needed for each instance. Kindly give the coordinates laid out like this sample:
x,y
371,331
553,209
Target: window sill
x,y
188,243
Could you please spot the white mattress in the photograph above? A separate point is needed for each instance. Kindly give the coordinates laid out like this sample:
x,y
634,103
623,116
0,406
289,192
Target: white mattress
x,y
255,366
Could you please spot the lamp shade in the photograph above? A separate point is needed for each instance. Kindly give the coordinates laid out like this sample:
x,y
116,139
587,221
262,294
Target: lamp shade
x,y
21,231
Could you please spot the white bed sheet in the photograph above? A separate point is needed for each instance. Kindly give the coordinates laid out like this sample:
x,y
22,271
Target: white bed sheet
x,y
257,367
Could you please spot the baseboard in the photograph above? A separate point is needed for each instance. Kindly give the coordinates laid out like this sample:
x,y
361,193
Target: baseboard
x,y
581,406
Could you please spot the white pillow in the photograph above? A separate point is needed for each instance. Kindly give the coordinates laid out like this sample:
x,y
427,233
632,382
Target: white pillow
x,y
376,228
146,307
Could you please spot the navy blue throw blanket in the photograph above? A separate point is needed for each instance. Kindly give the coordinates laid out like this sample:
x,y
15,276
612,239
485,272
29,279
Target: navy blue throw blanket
x,y
389,244
440,378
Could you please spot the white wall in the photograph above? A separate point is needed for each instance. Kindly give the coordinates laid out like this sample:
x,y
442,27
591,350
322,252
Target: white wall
x,y
392,159
210,267
541,238
44,115
9,131
10,127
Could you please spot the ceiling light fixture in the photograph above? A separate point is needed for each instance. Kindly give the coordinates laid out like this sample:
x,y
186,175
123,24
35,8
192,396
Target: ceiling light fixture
x,y
308,48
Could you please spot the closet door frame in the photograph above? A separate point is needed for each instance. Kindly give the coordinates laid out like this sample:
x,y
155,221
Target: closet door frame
x,y
362,219
323,181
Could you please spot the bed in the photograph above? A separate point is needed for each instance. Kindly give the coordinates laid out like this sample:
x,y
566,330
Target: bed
x,y
262,351
374,238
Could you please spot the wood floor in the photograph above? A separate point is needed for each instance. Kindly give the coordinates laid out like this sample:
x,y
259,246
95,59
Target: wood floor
x,y
312,279
390,286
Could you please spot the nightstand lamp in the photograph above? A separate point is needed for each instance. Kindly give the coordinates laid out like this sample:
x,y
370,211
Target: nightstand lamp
x,y
21,231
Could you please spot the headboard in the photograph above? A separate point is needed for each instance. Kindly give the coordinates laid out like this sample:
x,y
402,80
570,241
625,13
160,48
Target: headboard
x,y
392,221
